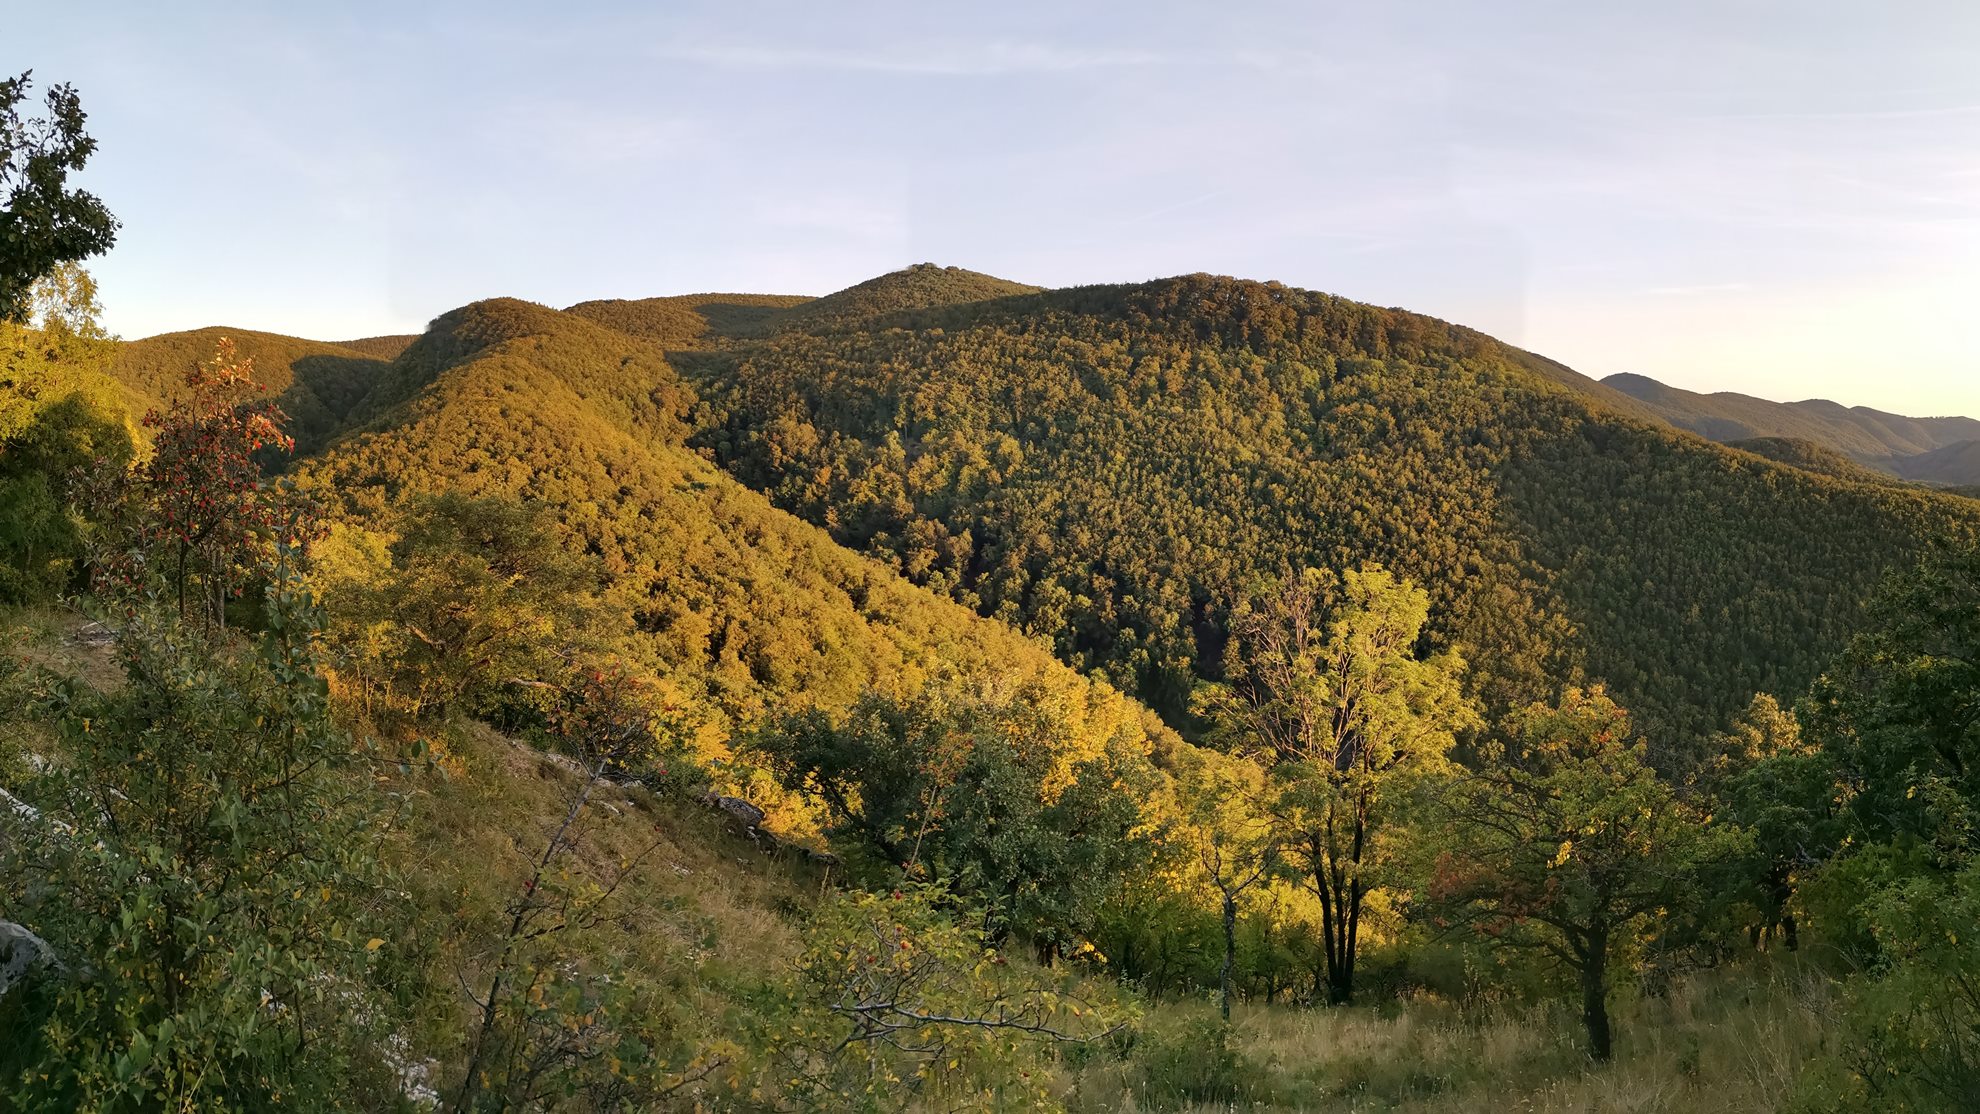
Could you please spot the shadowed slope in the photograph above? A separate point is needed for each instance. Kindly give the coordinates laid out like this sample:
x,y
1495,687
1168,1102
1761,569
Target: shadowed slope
x,y
1111,467
317,384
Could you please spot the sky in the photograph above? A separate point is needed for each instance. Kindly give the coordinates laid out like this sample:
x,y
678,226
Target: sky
x,y
1777,198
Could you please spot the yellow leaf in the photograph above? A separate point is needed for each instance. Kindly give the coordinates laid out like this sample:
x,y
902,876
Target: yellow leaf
x,y
373,944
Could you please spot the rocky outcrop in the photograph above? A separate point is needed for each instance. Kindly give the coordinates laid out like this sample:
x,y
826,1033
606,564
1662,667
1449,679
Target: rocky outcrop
x,y
22,952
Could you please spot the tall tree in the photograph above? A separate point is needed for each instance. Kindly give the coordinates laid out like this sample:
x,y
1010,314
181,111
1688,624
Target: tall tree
x,y
60,415
1350,717
1761,775
1567,840
44,223
1237,845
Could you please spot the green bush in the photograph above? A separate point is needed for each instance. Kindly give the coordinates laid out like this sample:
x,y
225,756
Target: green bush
x,y
1190,1059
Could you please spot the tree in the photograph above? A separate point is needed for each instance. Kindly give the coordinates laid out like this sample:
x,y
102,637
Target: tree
x,y
41,532
1236,844
1350,719
989,794
44,223
1565,839
1912,1031
64,305
197,519
1762,776
480,593
59,416
1899,712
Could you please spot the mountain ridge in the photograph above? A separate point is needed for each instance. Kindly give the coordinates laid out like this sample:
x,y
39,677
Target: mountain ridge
x,y
1107,468
1891,443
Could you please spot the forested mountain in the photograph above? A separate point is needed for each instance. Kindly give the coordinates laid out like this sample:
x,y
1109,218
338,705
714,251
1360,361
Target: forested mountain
x,y
317,384
1922,449
743,607
922,286
693,320
1108,468
709,320
561,530
949,694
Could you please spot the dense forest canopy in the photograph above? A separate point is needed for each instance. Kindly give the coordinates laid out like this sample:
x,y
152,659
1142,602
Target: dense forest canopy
x,y
1110,467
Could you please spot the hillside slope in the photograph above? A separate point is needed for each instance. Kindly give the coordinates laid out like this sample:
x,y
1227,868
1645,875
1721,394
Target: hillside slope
x,y
1889,442
1110,467
316,383
1811,456
1954,465
740,605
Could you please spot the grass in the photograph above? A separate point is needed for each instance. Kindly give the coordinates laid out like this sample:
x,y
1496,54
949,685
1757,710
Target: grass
x,y
1723,1041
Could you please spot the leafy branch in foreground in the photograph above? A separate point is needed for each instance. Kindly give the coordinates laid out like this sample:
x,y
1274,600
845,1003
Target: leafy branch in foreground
x,y
43,223
203,854
903,1004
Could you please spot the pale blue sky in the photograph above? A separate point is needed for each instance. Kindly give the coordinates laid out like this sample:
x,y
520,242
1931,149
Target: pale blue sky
x,y
1779,198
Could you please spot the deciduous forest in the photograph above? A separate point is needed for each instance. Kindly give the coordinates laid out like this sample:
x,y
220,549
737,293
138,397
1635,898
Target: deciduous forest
x,y
951,694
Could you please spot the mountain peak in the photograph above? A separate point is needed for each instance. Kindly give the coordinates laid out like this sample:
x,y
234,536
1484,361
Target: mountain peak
x,y
920,286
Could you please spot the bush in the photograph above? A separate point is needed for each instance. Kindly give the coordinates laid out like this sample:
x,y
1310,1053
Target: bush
x,y
1190,1059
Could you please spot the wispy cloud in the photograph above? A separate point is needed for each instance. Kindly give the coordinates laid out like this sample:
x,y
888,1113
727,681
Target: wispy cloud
x,y
1695,289
934,60
1928,112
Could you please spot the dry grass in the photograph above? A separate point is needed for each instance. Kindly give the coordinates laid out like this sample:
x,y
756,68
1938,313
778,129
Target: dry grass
x,y
50,637
1731,1041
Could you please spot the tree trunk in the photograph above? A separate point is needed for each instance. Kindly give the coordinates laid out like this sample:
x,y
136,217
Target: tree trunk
x,y
1595,996
1230,950
1340,985
1781,890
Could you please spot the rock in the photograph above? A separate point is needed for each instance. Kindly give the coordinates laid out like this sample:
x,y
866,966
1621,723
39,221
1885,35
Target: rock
x,y
95,634
22,951
745,813
21,808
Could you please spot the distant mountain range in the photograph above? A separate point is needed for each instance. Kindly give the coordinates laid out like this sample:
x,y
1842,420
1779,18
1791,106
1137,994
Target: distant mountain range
x,y
1943,451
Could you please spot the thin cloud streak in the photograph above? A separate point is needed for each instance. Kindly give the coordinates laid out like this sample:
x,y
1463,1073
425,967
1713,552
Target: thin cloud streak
x,y
933,61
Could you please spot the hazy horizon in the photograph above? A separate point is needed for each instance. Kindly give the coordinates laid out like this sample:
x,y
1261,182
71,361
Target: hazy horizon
x,y
1782,202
